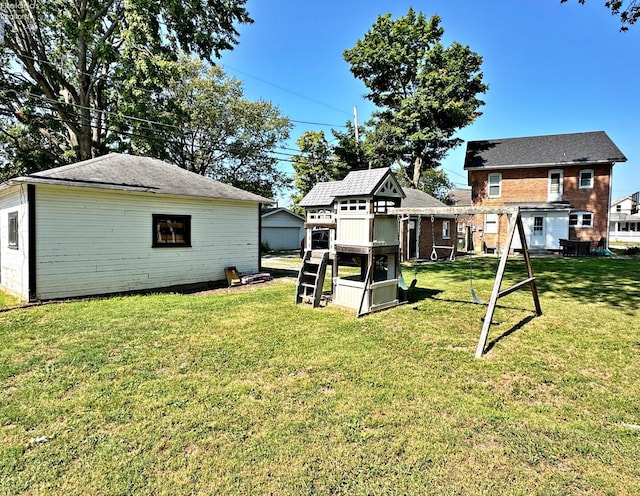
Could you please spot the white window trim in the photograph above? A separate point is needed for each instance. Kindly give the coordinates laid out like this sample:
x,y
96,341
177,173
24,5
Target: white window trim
x,y
446,229
491,224
550,196
590,186
580,220
497,175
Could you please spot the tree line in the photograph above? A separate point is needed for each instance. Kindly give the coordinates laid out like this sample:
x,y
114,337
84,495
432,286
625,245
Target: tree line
x,y
81,78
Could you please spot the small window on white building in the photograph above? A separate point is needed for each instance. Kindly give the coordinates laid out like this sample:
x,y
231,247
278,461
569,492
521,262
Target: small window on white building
x,y
538,225
446,226
171,230
13,230
491,223
586,179
495,185
581,219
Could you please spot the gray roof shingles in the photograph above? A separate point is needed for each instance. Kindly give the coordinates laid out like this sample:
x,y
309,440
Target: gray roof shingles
x,y
415,198
357,183
131,173
555,149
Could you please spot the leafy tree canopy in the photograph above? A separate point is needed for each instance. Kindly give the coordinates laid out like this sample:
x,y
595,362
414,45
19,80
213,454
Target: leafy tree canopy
x,y
203,123
628,13
424,91
71,68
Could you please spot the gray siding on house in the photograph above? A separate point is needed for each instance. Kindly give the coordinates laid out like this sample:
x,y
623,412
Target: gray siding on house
x,y
282,230
93,241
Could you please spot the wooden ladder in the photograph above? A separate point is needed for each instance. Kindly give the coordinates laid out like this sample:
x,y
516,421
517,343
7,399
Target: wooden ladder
x,y
311,277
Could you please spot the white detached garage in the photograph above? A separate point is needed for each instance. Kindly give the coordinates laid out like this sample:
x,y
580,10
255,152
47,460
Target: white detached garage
x,y
122,223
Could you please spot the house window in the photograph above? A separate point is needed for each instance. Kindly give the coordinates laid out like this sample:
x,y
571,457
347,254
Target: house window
x,y
495,185
171,230
538,225
586,179
13,230
446,233
353,205
581,219
618,208
554,192
491,223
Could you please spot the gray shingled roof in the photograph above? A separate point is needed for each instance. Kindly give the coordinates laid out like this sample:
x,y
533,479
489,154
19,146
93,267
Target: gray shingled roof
x,y
130,173
551,150
460,196
357,183
321,195
416,198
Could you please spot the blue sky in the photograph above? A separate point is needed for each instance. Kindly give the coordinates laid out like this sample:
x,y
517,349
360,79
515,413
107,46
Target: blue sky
x,y
551,68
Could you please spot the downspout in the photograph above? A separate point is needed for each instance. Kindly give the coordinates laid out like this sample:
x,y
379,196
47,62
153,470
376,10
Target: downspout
x,y
609,206
259,237
31,213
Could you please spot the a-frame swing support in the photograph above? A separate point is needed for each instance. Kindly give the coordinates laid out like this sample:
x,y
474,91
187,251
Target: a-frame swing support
x,y
496,293
515,221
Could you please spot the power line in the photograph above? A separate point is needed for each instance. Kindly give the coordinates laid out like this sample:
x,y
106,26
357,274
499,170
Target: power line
x,y
286,89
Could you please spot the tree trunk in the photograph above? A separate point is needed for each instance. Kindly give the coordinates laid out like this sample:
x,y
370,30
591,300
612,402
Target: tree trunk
x,y
417,172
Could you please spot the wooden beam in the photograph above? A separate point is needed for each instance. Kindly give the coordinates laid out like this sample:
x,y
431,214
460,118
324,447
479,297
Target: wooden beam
x,y
461,210
515,287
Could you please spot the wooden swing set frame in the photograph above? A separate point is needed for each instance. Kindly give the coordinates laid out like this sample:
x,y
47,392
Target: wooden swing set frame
x,y
515,221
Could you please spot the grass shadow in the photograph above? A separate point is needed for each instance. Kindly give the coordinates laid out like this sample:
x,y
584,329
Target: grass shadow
x,y
491,344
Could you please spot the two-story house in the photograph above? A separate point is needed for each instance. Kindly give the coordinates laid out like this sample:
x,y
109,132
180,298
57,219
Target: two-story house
x,y
625,219
561,182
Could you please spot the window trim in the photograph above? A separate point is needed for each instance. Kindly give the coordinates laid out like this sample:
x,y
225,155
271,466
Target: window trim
x,y
493,222
591,181
579,222
446,229
13,231
497,175
185,219
550,196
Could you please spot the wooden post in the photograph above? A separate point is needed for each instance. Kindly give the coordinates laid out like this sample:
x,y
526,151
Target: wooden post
x,y
527,260
496,291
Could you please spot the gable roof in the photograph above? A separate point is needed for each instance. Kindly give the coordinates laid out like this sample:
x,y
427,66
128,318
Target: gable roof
x,y
268,212
460,196
416,198
546,151
357,183
117,171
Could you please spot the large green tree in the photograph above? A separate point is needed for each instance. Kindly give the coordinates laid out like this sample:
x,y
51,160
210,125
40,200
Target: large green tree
x,y
205,124
424,92
72,69
628,12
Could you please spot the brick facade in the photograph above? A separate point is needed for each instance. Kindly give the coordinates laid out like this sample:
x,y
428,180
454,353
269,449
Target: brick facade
x,y
531,185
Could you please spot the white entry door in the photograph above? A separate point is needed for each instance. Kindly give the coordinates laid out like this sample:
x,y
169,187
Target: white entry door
x,y
537,238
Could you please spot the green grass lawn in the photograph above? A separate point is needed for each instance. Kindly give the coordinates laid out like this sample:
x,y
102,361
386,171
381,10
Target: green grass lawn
x,y
246,393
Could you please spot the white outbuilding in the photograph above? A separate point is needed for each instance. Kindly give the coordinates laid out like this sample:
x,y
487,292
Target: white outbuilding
x,y
121,223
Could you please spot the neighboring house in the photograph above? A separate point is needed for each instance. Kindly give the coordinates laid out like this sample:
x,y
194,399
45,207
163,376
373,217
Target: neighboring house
x,y
419,233
282,229
122,223
625,219
561,183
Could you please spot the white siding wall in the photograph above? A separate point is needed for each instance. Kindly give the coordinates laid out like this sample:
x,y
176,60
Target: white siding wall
x,y
95,241
14,264
556,227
